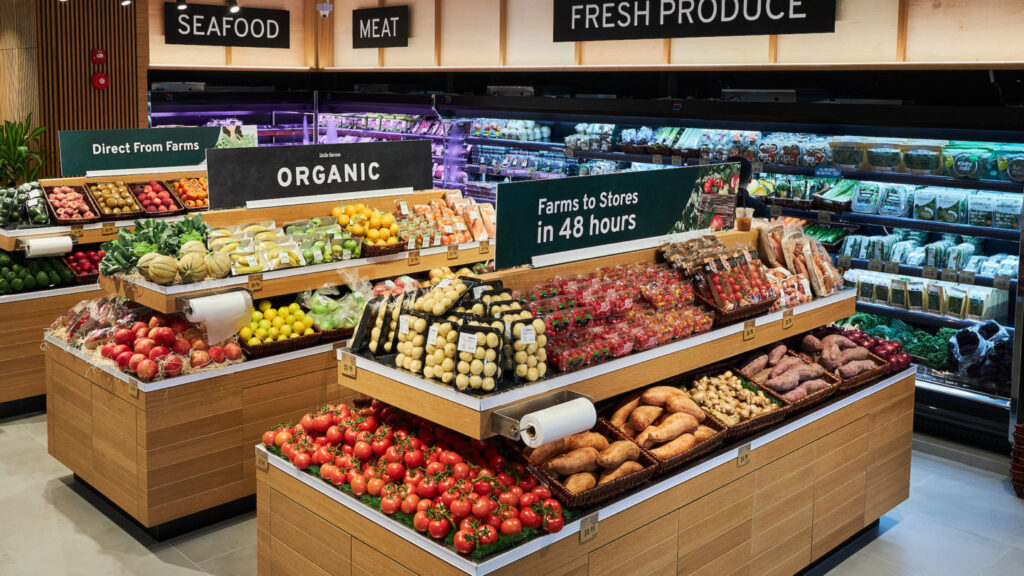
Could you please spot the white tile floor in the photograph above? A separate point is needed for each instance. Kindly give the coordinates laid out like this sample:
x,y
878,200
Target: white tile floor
x,y
958,520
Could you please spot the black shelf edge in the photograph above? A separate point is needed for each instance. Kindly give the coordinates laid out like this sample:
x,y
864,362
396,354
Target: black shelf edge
x,y
1011,235
923,318
904,178
520,144
918,271
488,171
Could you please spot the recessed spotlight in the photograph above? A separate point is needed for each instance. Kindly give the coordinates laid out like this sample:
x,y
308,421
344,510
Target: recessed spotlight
x,y
233,6
182,4
126,2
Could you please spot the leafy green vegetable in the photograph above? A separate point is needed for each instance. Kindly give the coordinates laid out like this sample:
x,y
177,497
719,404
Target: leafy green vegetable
x,y
143,248
190,236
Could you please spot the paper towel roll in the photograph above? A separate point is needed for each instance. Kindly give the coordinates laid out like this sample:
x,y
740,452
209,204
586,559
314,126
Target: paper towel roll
x,y
556,422
223,314
55,246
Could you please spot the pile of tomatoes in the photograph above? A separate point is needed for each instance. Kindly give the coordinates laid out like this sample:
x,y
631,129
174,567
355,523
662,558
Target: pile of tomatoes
x,y
444,480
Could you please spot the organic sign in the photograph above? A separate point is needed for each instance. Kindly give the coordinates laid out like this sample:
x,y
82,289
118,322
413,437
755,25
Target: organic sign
x,y
85,150
380,27
578,20
550,216
206,25
296,172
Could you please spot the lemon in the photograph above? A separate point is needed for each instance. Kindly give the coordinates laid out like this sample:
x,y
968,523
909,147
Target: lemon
x,y
245,333
278,322
273,332
294,307
299,314
255,342
307,331
266,324
289,319
269,314
298,326
254,325
282,311
264,305
293,335
285,330
257,316
308,322
261,333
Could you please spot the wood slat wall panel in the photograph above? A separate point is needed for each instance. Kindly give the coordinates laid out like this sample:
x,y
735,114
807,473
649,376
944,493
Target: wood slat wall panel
x,y
67,101
19,60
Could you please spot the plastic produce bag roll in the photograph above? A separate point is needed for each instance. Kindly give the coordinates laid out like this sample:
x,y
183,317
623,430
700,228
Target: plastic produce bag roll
x,y
223,314
39,247
557,421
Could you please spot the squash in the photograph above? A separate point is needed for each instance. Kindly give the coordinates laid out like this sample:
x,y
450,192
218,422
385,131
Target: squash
x,y
218,265
190,247
143,264
192,267
163,269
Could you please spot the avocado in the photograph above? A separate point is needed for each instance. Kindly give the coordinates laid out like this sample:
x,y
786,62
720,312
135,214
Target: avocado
x,y
5,286
42,279
29,283
65,275
5,260
17,285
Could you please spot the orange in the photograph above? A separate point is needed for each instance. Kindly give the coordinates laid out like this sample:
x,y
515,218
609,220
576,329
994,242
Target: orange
x,y
374,222
360,207
387,221
337,211
394,229
384,233
343,219
357,230
372,234
350,210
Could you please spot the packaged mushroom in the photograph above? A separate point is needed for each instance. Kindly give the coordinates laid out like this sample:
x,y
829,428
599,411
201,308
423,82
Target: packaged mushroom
x,y
478,366
389,325
731,399
529,355
363,333
411,336
440,352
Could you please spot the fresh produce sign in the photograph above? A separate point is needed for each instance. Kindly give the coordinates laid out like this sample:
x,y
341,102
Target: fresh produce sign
x,y
579,20
82,151
551,216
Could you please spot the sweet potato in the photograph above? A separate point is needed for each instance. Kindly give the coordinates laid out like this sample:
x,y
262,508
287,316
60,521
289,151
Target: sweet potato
x,y
579,460
617,453
785,364
583,439
785,382
628,431
812,386
851,354
625,408
810,344
658,395
644,416
681,444
580,482
674,425
856,367
703,433
807,371
795,395
839,340
776,354
755,365
625,468
830,354
762,376
547,451
682,403
644,438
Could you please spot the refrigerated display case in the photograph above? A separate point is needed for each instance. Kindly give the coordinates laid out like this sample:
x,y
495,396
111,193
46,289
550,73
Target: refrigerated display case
x,y
282,118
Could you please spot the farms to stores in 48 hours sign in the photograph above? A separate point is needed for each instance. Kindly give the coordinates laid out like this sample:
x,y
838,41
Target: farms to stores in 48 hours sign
x,y
544,217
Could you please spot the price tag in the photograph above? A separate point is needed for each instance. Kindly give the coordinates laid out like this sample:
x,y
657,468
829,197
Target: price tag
x,y
251,260
677,160
432,335
929,272
467,342
749,328
453,252
109,229
775,210
318,256
446,281
827,172
787,318
875,265
949,275
437,239
478,290
527,335
485,247
967,277
283,258
824,217
255,282
757,167
657,159
891,267
133,388
403,324
568,152
704,161
403,207
411,245
261,460
1001,282
743,458
348,364
414,257
77,229
588,528
844,261
346,254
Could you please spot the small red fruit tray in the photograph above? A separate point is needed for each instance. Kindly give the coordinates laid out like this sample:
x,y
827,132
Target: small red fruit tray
x,y
156,198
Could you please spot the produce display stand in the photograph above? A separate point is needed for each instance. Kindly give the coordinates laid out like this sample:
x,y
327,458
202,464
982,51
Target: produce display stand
x,y
23,319
771,505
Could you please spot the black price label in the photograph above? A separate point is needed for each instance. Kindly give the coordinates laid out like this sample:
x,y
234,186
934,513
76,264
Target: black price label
x,y
875,265
775,210
929,272
891,267
844,261
824,217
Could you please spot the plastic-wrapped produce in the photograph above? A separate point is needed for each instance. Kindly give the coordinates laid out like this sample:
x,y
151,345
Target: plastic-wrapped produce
x,y
1009,266
1006,211
958,256
935,253
852,245
979,209
883,157
894,200
816,152
901,250
950,206
972,163
916,257
922,159
1010,164
990,267
925,203
878,247
974,263
866,199
847,154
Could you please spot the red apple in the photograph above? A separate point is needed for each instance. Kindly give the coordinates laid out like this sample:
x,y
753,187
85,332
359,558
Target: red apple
x,y
163,335
120,349
178,325
216,354
107,349
181,346
123,358
157,320
173,365
198,344
146,369
199,358
134,361
158,352
144,346
124,336
233,351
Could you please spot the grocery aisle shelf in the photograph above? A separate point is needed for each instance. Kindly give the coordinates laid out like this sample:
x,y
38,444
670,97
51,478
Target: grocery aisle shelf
x,y
918,272
904,178
915,317
385,135
520,144
1012,235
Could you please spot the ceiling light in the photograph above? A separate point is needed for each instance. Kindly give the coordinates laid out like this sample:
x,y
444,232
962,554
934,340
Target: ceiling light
x,y
182,4
126,2
233,6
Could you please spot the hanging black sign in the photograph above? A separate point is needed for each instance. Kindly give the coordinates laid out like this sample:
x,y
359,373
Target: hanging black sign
x,y
206,25
380,27
579,20
245,175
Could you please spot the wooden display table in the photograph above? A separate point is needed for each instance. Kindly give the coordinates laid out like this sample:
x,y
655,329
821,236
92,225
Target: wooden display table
x,y
164,450
23,320
772,505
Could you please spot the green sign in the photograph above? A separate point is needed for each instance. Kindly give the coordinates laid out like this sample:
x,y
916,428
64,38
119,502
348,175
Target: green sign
x,y
82,151
549,216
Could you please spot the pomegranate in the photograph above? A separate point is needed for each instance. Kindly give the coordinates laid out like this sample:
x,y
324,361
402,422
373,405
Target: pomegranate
x,y
158,352
198,344
157,320
181,346
163,335
123,358
124,336
233,351
199,358
135,360
139,325
107,349
146,369
177,325
216,354
144,346
173,365
118,350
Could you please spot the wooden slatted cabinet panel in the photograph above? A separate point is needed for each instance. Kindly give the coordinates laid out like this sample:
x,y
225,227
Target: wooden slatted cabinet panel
x,y
889,445
649,550
840,468
715,531
783,514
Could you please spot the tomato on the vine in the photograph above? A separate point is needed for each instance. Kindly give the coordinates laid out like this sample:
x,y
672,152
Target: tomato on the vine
x,y
434,468
450,458
460,471
552,506
460,507
465,542
506,480
487,534
380,446
374,486
424,504
357,482
414,458
483,507
268,438
527,500
553,524
529,518
420,521
322,422
389,504
438,528
369,425
542,492
395,472
307,422
410,503
334,435
282,437
302,461
511,526
509,498
427,488
415,476
528,482
350,435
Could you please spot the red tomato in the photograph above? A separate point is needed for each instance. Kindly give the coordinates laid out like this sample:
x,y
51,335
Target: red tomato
x,y
395,472
487,534
460,507
509,498
268,438
370,424
483,507
529,518
435,468
307,422
465,542
350,435
326,470
380,446
420,521
552,506
392,454
302,461
527,500
390,504
425,504
427,488
506,480
460,471
362,450
339,476
542,492
496,462
438,528
414,458
322,422
450,458
357,482
343,461
374,486
528,482
323,455
415,476
335,435
493,521
410,503
511,526
282,437
553,524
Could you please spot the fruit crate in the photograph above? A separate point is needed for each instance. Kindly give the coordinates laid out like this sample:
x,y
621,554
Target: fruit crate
x,y
86,196
173,188
179,207
140,213
80,278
